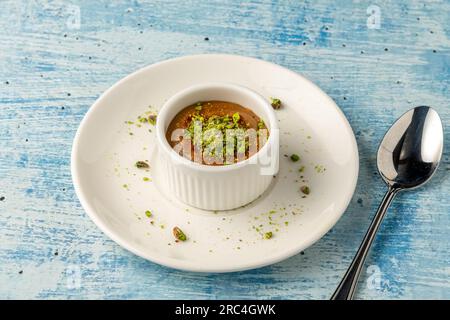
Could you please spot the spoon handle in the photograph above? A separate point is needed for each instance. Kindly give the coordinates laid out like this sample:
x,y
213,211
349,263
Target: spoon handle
x,y
346,288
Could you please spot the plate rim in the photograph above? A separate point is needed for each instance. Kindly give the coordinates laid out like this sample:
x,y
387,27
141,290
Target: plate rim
x,y
184,265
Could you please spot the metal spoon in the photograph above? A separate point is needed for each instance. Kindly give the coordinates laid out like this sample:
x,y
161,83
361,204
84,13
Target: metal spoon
x,y
407,158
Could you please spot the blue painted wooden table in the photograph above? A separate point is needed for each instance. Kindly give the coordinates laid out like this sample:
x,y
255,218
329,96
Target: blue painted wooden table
x,y
376,60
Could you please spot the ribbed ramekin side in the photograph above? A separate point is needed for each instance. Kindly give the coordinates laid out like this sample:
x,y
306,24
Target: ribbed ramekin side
x,y
216,192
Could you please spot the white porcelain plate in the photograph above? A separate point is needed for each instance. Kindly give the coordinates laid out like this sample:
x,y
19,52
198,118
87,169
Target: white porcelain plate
x,y
116,194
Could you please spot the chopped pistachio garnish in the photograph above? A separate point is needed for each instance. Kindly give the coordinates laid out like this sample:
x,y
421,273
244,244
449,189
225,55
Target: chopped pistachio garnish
x,y
236,117
211,126
319,168
146,178
276,103
142,119
268,235
261,124
152,119
305,189
178,234
295,157
148,213
142,165
302,168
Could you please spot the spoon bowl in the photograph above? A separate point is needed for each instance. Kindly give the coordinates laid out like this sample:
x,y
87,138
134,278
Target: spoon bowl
x,y
411,149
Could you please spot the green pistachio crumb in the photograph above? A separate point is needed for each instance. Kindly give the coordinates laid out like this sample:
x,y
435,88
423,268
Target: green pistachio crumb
x,y
236,117
142,119
276,103
146,178
302,168
148,213
268,235
198,107
305,189
319,168
261,124
142,165
295,157
152,119
179,234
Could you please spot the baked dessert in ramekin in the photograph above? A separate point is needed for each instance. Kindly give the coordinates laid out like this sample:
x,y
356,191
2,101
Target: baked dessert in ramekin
x,y
218,144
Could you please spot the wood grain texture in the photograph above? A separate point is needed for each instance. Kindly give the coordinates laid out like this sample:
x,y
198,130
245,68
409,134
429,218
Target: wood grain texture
x,y
52,71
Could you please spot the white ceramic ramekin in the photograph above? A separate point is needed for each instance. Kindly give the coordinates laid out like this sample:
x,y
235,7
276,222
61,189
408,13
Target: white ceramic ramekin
x,y
218,187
